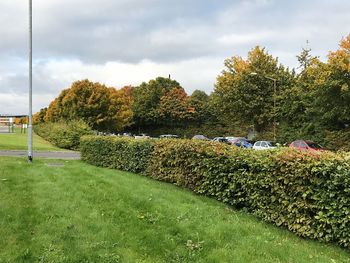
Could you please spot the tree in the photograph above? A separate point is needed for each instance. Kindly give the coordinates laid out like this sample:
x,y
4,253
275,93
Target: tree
x,y
332,92
147,99
174,107
198,102
242,92
319,100
120,108
39,117
102,108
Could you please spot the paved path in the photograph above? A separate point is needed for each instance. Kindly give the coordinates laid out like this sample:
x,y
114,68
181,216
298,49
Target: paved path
x,y
42,154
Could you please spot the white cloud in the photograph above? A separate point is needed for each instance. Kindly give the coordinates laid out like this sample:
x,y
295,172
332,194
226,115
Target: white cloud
x,y
51,77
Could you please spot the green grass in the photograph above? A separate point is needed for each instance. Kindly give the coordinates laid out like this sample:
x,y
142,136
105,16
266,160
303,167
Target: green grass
x,y
81,213
19,141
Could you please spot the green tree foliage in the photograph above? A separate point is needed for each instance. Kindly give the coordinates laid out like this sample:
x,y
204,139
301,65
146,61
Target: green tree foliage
x,y
199,104
317,106
332,88
244,93
295,100
147,98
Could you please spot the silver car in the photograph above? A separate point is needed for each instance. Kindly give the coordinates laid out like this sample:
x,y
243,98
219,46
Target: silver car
x,y
263,145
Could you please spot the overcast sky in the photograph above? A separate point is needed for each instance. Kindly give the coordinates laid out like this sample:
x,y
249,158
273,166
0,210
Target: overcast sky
x,y
123,42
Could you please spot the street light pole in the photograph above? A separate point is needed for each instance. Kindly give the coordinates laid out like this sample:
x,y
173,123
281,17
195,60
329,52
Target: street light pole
x,y
30,117
274,106
274,110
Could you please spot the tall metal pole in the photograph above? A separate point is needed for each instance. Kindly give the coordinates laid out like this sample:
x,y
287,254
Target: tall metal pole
x,y
30,125
274,110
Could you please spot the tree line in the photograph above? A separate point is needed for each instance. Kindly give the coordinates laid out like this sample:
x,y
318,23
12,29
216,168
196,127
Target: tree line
x,y
250,94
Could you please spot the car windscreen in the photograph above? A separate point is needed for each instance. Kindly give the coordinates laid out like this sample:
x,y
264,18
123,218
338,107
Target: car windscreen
x,y
315,145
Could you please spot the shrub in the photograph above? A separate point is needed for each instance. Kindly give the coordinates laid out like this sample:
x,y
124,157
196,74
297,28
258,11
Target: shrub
x,y
337,140
119,153
305,192
63,134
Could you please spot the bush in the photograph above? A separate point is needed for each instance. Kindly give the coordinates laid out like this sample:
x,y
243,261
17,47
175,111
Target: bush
x,y
119,153
63,134
337,140
307,193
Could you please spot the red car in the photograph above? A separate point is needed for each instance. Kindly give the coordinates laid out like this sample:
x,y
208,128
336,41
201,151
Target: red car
x,y
306,145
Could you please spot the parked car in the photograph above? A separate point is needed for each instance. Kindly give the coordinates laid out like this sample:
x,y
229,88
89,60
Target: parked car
x,y
232,139
221,139
263,145
200,137
142,136
306,145
243,143
168,136
127,134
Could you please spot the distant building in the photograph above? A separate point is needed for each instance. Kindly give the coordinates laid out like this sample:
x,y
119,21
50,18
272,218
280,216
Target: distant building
x,y
7,121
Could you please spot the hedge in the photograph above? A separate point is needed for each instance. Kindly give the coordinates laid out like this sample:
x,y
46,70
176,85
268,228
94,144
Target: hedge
x,y
307,193
119,153
63,134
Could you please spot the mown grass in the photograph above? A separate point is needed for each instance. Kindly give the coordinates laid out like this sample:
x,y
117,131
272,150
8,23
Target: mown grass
x,y
81,213
19,141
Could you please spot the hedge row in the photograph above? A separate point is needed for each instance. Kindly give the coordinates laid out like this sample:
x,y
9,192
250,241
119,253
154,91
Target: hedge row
x,y
307,193
63,134
113,152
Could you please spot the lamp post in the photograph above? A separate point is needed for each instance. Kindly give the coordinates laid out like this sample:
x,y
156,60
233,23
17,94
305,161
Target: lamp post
x,y
30,125
274,101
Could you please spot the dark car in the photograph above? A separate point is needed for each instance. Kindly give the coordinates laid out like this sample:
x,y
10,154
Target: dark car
x,y
168,136
243,143
306,145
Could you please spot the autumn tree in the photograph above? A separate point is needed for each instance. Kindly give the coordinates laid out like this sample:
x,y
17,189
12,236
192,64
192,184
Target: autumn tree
x,y
174,107
39,117
120,107
102,108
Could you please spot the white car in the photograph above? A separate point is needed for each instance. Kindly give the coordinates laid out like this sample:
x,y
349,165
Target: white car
x,y
142,136
263,145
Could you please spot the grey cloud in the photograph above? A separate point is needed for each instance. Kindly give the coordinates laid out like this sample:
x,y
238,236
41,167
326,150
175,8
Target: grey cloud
x,y
130,31
122,30
161,31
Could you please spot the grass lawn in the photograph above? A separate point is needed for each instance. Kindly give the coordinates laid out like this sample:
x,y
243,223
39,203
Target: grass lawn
x,y
19,141
80,213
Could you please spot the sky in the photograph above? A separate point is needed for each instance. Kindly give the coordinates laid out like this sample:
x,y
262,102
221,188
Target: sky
x,y
126,42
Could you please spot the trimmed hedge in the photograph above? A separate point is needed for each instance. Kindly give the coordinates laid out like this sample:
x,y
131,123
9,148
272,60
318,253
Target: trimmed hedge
x,y
119,153
307,193
63,134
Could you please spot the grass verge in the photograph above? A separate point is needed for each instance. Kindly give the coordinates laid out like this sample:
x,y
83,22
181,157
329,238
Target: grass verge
x,y
68,211
19,141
